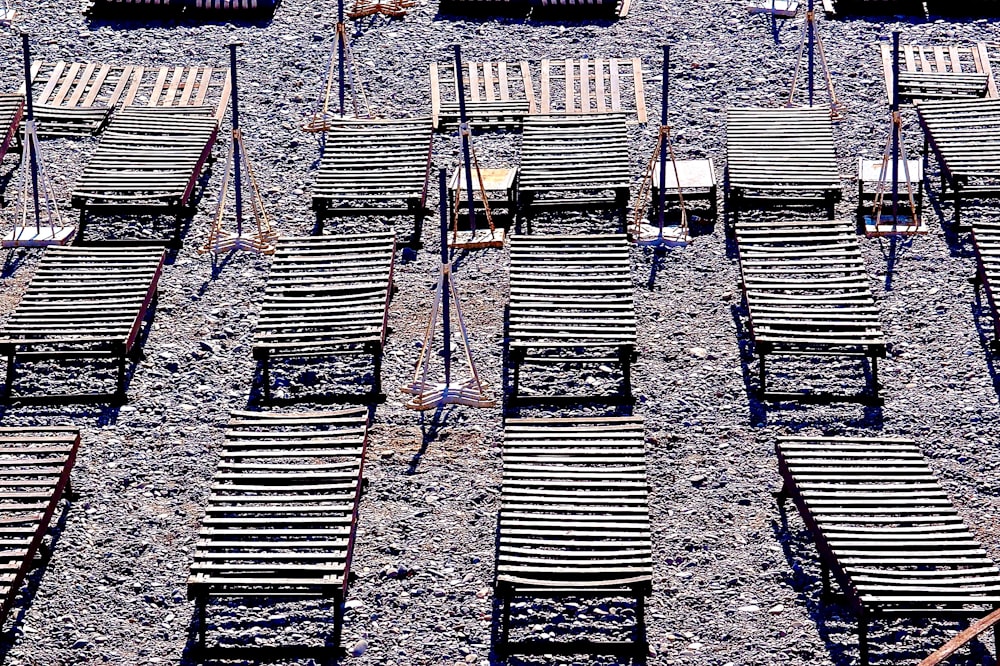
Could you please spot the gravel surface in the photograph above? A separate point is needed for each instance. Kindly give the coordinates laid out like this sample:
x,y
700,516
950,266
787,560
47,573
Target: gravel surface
x,y
732,585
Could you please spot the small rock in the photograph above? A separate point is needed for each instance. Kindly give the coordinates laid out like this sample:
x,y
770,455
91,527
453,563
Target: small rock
x,y
698,352
698,479
359,648
776,610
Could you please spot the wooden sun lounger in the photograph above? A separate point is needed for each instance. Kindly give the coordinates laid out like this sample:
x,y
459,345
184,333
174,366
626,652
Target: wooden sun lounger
x,y
574,162
326,296
77,99
807,294
282,513
570,302
35,465
780,157
374,167
940,72
965,138
11,111
886,530
574,522
148,162
86,303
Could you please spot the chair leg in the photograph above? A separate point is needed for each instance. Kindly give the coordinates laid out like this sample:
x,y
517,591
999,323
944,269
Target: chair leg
x,y
626,361
825,573
338,621
762,370
265,378
120,383
201,603
996,641
505,621
640,623
377,371
8,386
875,385
863,641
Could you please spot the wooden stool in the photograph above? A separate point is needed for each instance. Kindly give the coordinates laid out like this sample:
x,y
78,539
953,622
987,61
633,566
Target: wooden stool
x,y
697,184
500,186
868,178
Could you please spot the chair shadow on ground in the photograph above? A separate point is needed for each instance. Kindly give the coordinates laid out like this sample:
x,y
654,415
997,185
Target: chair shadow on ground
x,y
835,619
792,414
26,595
983,320
269,619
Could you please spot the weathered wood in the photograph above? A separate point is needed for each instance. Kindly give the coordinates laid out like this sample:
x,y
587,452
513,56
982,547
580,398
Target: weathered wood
x,y
886,530
574,520
807,292
272,529
373,167
148,156
574,161
35,465
780,157
931,72
965,138
11,111
78,99
326,296
83,303
570,301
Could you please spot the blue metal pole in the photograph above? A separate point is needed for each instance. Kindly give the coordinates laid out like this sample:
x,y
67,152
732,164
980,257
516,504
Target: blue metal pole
x,y
341,37
445,274
236,144
809,20
663,139
466,139
895,127
32,157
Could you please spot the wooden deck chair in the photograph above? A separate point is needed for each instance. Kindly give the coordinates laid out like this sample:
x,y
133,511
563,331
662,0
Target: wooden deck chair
x,y
35,465
574,162
82,303
964,135
886,530
281,519
574,524
326,296
808,294
148,162
374,167
570,302
11,112
940,72
779,158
